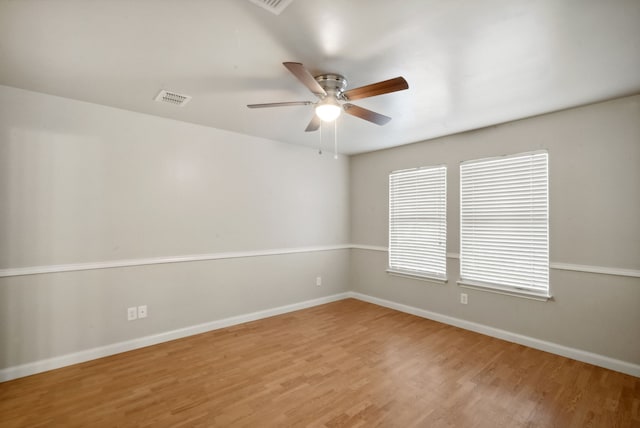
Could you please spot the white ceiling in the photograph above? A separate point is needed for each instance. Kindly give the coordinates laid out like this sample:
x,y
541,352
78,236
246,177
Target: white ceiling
x,y
469,63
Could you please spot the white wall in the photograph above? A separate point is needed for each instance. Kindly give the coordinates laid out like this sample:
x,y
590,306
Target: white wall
x,y
594,156
82,183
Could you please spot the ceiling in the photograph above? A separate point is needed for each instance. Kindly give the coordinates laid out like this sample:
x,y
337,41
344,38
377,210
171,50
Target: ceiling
x,y
469,63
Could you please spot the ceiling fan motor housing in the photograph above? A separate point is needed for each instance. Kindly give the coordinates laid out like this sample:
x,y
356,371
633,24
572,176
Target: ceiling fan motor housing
x,y
333,84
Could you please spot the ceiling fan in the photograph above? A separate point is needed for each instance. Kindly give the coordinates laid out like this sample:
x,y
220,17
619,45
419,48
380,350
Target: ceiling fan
x,y
331,91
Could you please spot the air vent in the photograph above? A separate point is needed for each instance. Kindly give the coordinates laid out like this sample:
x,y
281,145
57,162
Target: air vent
x,y
274,6
172,98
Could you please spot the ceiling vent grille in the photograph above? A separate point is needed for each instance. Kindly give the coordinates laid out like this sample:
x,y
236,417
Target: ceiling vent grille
x,y
172,98
274,6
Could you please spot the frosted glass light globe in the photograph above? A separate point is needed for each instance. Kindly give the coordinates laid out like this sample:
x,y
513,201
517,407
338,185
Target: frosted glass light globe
x,y
328,110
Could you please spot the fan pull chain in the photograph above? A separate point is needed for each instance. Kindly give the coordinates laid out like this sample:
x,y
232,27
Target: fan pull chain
x,y
320,147
335,139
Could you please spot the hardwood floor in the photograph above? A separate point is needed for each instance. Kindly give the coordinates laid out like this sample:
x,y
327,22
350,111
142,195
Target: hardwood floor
x,y
344,364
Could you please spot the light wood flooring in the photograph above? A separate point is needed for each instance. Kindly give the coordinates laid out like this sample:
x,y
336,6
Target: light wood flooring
x,y
344,364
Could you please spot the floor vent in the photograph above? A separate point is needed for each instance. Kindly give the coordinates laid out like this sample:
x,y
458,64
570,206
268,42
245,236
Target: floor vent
x,y
274,6
172,98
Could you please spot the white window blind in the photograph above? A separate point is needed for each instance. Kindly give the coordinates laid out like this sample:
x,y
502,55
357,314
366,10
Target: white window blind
x,y
504,223
418,222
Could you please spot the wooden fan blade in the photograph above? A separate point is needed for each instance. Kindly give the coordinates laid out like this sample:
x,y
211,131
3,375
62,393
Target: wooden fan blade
x,y
290,103
384,87
314,124
363,113
305,77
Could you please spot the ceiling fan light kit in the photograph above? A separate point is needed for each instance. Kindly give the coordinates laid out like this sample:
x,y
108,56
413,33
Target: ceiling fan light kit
x,y
328,109
330,89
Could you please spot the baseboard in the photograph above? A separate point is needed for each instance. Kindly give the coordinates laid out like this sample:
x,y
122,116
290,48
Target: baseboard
x,y
129,345
554,348
116,348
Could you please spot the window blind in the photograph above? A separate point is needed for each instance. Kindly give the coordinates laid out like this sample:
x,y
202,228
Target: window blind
x,y
417,222
504,223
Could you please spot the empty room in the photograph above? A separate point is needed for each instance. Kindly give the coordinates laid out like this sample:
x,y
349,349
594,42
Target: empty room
x,y
292,213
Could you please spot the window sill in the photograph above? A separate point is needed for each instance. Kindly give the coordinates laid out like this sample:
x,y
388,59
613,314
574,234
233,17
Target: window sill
x,y
434,279
506,291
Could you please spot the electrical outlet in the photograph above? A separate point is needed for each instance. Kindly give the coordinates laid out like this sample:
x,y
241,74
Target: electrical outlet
x,y
142,311
463,298
318,281
132,313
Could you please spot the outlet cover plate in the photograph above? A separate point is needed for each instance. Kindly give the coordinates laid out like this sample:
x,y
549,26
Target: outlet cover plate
x,y
142,311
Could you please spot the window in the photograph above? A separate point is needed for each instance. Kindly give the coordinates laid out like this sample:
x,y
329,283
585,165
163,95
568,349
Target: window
x,y
418,222
504,224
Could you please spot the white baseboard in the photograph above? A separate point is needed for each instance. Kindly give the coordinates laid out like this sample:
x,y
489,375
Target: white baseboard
x,y
573,353
116,348
129,345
